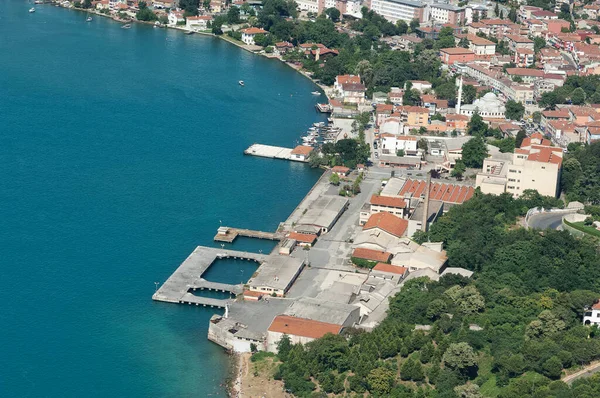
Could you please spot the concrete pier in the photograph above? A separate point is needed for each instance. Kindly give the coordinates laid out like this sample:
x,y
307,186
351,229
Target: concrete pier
x,y
227,234
273,152
188,277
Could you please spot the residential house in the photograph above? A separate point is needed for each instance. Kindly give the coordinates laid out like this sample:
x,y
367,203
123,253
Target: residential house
x,y
414,116
445,13
515,42
176,18
350,89
483,48
391,144
249,34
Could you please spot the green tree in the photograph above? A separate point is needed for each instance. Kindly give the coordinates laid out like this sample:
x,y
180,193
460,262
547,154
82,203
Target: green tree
x,y
284,346
333,14
423,144
521,135
334,179
144,13
514,110
512,14
381,380
474,152
401,26
578,96
190,7
552,368
233,15
459,169
538,44
414,24
476,126
468,299
469,94
469,390
87,4
460,357
426,353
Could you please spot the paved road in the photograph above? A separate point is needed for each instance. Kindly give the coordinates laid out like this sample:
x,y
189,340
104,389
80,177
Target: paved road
x,y
546,220
585,372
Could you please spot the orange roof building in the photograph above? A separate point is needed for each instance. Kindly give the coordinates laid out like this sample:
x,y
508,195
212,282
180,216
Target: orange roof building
x,y
291,325
387,222
372,255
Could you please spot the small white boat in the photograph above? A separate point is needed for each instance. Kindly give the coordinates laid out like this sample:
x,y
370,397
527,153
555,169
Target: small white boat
x,y
126,26
88,19
241,82
32,10
315,93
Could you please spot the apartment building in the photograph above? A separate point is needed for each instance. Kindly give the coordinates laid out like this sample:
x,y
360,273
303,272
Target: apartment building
x,y
535,165
395,10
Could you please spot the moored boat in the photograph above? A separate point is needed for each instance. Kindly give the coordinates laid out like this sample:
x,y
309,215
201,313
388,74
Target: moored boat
x,y
32,10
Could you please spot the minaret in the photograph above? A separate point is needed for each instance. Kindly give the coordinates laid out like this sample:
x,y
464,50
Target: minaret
x,y
459,99
426,204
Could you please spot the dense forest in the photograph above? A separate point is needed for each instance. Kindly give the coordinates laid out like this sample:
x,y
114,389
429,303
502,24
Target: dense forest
x,y
580,178
509,331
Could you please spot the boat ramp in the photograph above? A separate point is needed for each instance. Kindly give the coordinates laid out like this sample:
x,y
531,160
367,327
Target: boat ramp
x,y
188,278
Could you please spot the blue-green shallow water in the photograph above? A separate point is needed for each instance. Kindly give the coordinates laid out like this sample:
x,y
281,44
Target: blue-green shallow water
x,y
120,151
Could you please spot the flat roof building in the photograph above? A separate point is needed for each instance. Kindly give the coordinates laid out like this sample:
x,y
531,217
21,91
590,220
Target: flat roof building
x,y
322,214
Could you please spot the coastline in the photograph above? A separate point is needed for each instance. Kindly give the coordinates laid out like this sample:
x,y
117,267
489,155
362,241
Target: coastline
x,y
235,383
221,37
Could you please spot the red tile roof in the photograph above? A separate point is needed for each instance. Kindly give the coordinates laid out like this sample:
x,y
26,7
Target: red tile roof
x,y
545,155
392,269
291,325
302,150
340,169
372,255
342,79
254,31
449,193
388,201
387,222
304,238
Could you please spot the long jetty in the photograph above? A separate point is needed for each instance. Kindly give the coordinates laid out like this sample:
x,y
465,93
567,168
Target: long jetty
x,y
272,152
228,234
188,278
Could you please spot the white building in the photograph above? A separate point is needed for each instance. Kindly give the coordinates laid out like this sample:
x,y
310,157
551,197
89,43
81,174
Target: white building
x,y
591,316
391,144
487,106
175,17
535,165
249,34
394,10
308,5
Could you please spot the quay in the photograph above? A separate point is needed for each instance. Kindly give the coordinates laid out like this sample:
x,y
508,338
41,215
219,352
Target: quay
x,y
188,277
273,152
228,234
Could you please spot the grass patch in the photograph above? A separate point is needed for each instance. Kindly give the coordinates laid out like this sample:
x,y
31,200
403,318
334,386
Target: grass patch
x,y
587,229
261,355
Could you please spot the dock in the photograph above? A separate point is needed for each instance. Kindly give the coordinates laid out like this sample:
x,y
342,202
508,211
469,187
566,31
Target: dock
x,y
228,234
272,152
188,278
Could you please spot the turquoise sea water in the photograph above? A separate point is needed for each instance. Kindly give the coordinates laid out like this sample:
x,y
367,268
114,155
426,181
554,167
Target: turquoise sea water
x,y
120,151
